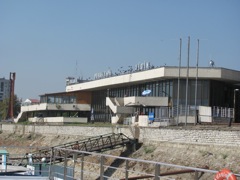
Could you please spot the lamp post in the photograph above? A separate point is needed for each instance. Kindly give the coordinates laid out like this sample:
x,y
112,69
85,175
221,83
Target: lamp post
x,y
234,104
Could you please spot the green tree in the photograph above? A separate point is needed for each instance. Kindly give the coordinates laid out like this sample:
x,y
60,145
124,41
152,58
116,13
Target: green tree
x,y
4,107
16,106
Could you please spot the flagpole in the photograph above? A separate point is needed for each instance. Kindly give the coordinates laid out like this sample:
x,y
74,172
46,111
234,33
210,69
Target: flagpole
x,y
186,105
179,73
196,90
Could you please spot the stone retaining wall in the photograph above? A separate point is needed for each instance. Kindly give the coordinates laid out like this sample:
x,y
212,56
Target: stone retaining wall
x,y
146,135
201,137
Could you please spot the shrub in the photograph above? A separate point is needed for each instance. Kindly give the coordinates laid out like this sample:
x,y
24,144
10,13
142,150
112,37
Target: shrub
x,y
149,149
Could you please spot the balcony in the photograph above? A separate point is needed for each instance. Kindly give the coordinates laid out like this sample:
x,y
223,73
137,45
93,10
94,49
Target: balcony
x,y
56,107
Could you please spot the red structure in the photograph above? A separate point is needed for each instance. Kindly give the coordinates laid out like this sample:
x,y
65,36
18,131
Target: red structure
x,y
11,97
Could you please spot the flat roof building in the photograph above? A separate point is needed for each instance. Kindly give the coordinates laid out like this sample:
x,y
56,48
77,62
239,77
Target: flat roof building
x,y
4,88
109,97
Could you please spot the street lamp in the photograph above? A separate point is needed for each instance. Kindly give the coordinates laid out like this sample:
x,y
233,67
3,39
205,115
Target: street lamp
x,y
234,104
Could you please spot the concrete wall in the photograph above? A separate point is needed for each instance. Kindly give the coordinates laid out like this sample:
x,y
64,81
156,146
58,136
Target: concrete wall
x,y
59,119
146,135
50,106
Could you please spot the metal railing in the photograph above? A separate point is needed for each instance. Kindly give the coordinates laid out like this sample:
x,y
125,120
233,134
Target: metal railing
x,y
82,165
99,143
168,115
101,166
222,112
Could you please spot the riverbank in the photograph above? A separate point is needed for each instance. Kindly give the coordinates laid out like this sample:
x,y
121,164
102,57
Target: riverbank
x,y
168,149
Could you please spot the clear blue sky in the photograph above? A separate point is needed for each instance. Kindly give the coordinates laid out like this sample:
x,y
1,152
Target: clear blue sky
x,y
44,41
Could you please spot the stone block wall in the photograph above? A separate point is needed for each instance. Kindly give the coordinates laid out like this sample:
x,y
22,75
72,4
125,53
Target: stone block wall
x,y
203,137
144,134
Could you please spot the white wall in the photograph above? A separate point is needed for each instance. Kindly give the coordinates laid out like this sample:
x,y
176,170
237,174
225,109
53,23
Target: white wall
x,y
158,73
47,106
205,114
58,120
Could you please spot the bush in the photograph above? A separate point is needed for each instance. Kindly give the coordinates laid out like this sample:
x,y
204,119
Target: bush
x,y
149,149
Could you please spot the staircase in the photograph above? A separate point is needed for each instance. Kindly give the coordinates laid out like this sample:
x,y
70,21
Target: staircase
x,y
118,109
93,144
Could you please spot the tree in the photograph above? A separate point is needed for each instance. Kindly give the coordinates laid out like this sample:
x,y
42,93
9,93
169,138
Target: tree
x,y
16,106
4,107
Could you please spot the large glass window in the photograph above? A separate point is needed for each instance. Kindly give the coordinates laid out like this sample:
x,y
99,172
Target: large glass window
x,y
2,86
203,92
50,99
221,94
158,88
58,99
101,112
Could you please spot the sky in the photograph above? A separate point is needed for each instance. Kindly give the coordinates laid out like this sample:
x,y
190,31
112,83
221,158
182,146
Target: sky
x,y
45,41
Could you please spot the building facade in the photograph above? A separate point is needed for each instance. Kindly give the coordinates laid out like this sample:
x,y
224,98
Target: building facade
x,y
173,91
184,88
4,88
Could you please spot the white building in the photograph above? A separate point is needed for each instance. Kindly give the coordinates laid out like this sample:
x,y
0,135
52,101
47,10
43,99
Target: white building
x,y
119,96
